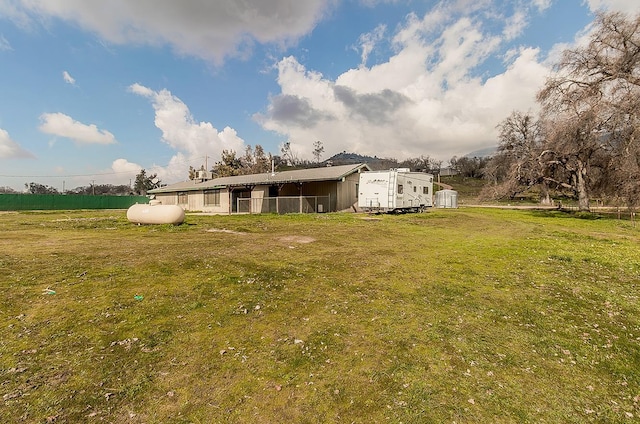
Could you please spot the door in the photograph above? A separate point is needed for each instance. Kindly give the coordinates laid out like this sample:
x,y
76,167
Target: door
x,y
245,206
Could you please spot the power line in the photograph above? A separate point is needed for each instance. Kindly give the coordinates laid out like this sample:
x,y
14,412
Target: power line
x,y
94,173
67,175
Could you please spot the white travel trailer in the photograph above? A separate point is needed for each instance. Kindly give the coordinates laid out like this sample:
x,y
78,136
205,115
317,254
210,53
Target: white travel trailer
x,y
395,190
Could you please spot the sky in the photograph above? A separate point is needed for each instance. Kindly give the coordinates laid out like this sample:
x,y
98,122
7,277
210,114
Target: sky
x,y
91,92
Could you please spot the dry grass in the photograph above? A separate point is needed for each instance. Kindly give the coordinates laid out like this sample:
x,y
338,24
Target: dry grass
x,y
465,316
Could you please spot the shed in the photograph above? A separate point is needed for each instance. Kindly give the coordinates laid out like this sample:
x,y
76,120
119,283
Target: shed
x,y
446,199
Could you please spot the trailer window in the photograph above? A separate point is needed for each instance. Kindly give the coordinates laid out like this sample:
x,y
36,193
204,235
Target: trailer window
x,y
415,189
425,190
183,198
400,189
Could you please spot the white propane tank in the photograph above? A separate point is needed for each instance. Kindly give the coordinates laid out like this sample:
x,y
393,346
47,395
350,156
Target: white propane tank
x,y
155,214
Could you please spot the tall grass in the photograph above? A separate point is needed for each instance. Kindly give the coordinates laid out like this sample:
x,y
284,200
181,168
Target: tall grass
x,y
458,315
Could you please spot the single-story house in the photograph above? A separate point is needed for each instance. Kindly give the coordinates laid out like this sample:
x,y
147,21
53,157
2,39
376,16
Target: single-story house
x,y
326,189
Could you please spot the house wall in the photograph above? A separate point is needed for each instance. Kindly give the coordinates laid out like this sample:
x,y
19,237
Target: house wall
x,y
323,188
347,192
289,190
167,198
195,201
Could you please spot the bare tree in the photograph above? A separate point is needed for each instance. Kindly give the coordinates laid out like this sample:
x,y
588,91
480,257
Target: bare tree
x,y
254,161
318,149
262,161
469,167
37,188
7,190
421,163
288,155
515,167
248,160
102,189
591,111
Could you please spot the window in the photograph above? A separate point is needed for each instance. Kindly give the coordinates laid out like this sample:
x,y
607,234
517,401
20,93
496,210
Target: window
x,y
415,189
357,191
425,190
183,198
212,198
400,189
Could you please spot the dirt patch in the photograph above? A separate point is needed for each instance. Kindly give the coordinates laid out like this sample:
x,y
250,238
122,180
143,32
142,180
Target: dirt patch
x,y
222,230
297,239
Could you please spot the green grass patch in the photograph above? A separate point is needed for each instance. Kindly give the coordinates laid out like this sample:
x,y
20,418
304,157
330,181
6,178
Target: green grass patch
x,y
469,315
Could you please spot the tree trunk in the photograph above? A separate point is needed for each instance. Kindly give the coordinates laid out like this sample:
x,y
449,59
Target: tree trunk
x,y
581,187
545,199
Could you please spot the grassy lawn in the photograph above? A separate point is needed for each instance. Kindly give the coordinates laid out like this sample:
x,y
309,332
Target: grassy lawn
x,y
469,315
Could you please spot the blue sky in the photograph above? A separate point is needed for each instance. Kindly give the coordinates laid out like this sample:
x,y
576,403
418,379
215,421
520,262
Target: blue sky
x,y
94,91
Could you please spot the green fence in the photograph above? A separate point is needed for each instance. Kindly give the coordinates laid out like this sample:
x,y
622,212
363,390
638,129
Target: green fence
x,y
22,202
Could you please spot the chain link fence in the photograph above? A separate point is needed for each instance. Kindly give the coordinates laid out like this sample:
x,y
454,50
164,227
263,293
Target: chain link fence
x,y
285,204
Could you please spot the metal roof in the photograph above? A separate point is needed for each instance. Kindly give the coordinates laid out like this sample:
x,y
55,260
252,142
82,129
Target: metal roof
x,y
327,173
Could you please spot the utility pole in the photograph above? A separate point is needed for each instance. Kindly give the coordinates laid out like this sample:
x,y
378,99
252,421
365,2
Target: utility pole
x,y
93,187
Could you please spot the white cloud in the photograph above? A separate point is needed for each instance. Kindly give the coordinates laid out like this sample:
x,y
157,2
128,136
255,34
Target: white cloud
x,y
141,90
515,25
626,6
123,166
192,140
542,5
68,78
9,149
369,40
4,44
427,98
208,29
62,125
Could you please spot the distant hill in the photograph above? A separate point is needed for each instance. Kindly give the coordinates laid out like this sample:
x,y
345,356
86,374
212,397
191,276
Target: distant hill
x,y
345,158
374,162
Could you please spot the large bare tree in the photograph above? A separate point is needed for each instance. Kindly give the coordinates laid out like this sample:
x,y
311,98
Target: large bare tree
x,y
591,114
516,167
